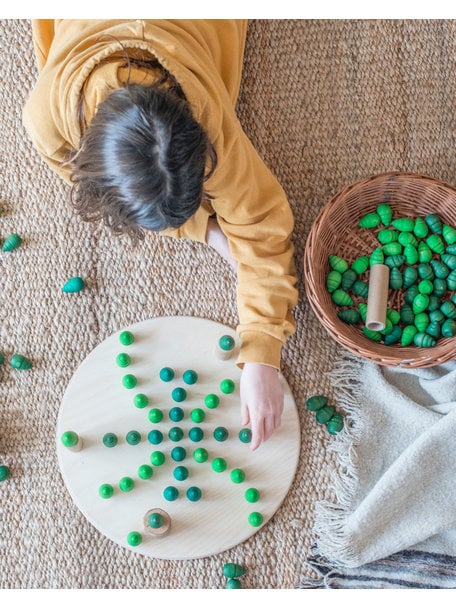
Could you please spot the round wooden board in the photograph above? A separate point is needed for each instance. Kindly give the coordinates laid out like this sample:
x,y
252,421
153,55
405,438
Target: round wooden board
x,y
96,402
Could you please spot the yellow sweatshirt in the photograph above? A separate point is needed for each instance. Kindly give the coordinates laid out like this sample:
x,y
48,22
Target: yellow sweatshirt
x,y
205,57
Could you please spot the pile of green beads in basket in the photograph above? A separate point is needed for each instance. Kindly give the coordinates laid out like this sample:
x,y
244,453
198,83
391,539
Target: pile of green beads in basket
x,y
421,255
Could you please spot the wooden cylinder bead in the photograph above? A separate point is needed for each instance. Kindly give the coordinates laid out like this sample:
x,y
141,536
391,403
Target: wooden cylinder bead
x,y
378,297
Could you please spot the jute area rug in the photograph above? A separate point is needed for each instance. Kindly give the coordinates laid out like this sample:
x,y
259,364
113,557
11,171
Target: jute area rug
x,y
326,103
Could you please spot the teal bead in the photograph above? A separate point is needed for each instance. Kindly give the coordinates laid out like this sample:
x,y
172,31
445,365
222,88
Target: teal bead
x,y
449,260
226,343
348,278
394,336
335,424
20,362
440,287
441,270
360,288
245,435
449,234
424,270
231,570
411,293
178,454
166,374
349,315
220,433
434,222
179,394
451,280
110,440
194,493
407,314
434,329
233,583
325,414
394,261
4,472
316,402
190,377
176,414
437,316
155,520
449,328
155,437
133,437
449,309
74,285
170,493
180,473
395,278
13,241
196,434
175,433
423,340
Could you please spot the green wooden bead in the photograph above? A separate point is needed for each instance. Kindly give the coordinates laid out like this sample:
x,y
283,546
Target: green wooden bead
x,y
190,377
424,252
341,298
376,257
440,269
126,338
133,437
69,439
409,276
20,362
348,278
362,307
375,336
349,315
411,293
451,280
255,519
157,458
134,539
233,583
393,315
425,271
387,236
434,222
110,440
435,243
227,386
123,360
451,249
394,261
434,302
200,455
449,260
420,303
126,484
155,415
335,424
145,471
425,287
385,213
166,374
226,343
175,433
437,316
411,254
393,248
220,433
408,333
404,224
449,234
360,288
211,401
155,520
440,287
219,465
424,340
231,570
2,358
395,278
13,241
449,328
74,285
245,435
337,263
407,238
407,314
155,437
333,280
370,220
324,414
196,434
140,401
106,491
420,230
449,309
316,402
421,321
434,329
197,415
360,264
394,336
252,495
129,381
237,475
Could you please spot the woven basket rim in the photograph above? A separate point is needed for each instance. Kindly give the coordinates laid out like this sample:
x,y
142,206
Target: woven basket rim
x,y
350,338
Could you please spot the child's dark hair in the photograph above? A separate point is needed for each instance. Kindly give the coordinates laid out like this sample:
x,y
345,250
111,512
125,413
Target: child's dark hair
x,y
142,161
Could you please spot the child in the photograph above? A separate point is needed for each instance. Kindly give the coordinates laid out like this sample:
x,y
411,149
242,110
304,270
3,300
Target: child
x,y
139,116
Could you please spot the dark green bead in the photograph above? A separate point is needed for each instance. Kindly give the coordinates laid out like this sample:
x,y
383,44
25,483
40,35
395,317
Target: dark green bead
x,y
110,440
316,402
434,222
74,285
231,570
360,288
395,278
170,493
194,493
180,473
407,314
423,340
440,287
226,343
4,472
176,414
394,336
133,437
449,309
349,315
155,520
434,329
348,278
245,435
325,414
233,583
449,328
178,454
175,433
196,434
440,269
411,293
220,433
190,376
335,424
155,437
424,270
20,362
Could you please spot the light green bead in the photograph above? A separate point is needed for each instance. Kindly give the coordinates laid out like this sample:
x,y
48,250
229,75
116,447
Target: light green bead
x,y
449,234
425,287
126,484
157,458
252,495
411,254
227,386
385,213
212,401
134,539
197,415
200,455
123,360
393,248
106,491
155,415
377,257
255,519
408,333
69,439
337,263
360,264
333,280
424,252
387,236
375,336
129,381
126,338
404,224
435,243
362,307
420,230
342,298
421,321
237,475
219,465
407,238
370,220
393,315
140,401
420,303
145,471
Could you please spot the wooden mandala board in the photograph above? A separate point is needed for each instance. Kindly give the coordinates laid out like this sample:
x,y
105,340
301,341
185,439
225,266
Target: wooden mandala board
x,y
96,402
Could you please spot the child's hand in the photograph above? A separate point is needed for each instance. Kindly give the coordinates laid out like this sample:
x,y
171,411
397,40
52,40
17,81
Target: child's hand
x,y
261,401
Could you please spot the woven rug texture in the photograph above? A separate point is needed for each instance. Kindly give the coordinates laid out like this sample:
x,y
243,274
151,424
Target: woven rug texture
x,y
326,103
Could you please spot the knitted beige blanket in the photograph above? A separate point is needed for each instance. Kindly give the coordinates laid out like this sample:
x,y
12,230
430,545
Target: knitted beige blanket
x,y
326,103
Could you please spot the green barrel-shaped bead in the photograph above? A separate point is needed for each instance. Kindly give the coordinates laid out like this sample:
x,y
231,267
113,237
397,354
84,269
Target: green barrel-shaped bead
x,y
233,583
394,336
424,252
407,314
411,293
404,224
348,278
376,257
409,276
349,315
360,264
434,329
441,270
370,220
388,327
375,336
231,570
424,270
335,424
437,316
342,298
316,402
449,234
420,230
393,315
434,303
387,235
74,285
408,334
449,309
434,223
362,307
360,288
393,248
435,243
338,263
451,280
411,254
423,340
395,278
394,261
440,287
448,329
421,321
449,259
385,213
325,414
420,303
451,249
13,241
333,280
20,362
407,238
425,287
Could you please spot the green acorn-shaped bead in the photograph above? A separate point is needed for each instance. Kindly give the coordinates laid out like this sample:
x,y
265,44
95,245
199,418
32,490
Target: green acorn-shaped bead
x,y
349,315
393,248
385,213
407,314
449,234
73,285
341,298
435,243
421,321
233,570
395,278
437,316
420,230
425,271
362,307
375,336
377,257
388,327
337,263
387,235
434,222
449,309
13,241
361,264
449,260
440,269
360,288
411,254
325,413
440,287
20,362
316,402
434,329
448,328
407,238
451,249
434,303
2,358
394,261
335,424
411,293
426,287
393,315
423,340
348,278
394,336
370,220
333,280
424,252
451,280
404,224
408,333
420,303
409,276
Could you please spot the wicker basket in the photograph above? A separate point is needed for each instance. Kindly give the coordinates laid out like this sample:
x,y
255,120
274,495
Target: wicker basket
x,y
336,231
